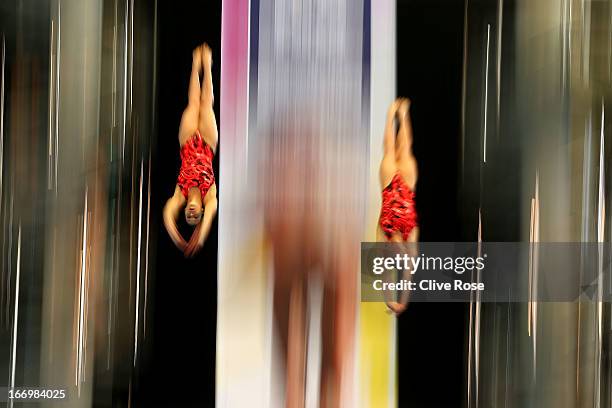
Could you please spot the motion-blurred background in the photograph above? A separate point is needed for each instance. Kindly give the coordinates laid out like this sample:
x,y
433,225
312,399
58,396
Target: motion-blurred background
x,y
94,295
509,101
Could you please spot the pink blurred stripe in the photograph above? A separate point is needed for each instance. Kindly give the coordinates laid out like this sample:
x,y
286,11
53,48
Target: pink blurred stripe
x,y
234,71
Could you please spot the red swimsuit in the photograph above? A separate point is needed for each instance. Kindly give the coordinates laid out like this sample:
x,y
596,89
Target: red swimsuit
x,y
196,166
398,212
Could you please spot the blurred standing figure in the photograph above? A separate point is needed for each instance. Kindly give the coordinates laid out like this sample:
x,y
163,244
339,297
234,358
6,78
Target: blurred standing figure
x,y
310,244
196,190
398,177
309,136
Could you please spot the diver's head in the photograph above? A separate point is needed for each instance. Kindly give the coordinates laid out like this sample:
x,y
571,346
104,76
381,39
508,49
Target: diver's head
x,y
194,208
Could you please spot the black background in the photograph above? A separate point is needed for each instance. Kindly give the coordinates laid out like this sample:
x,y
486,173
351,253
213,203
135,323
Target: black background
x,y
179,364
431,339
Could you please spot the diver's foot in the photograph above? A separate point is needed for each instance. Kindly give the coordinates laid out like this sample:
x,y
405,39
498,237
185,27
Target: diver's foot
x,y
197,57
404,107
206,55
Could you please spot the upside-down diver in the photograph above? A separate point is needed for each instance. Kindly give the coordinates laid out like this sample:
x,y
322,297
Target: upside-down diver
x,y
195,191
398,177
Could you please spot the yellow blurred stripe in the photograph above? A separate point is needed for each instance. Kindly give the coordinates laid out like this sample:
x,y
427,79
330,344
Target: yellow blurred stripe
x,y
377,359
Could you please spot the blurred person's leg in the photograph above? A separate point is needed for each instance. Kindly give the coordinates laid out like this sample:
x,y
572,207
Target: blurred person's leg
x,y
296,345
338,326
330,375
290,318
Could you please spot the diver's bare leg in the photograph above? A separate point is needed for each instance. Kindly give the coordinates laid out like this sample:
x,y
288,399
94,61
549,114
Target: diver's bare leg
x,y
404,136
405,159
389,136
189,120
207,123
207,97
388,166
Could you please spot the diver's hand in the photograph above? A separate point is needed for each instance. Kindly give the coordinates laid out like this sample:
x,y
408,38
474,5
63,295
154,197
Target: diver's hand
x,y
396,308
196,242
173,231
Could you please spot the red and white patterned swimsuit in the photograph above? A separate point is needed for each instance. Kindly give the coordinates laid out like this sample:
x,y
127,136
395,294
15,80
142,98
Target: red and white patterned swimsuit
x,y
398,212
196,166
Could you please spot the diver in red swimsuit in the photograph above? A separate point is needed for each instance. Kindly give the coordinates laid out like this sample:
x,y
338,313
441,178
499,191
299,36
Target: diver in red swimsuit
x,y
398,177
196,191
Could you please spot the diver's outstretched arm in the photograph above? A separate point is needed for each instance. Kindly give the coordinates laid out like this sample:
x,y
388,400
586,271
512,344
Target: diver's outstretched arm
x,y
172,210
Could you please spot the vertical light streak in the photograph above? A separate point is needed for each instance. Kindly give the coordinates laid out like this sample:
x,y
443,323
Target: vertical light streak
x,y
111,294
132,195
115,204
601,215
534,238
247,80
57,88
84,106
564,42
601,193
569,38
146,283
50,130
506,393
464,87
122,163
376,343
82,294
500,15
154,84
578,346
486,96
609,42
114,82
52,312
16,313
153,99
86,309
470,354
587,176
530,268
586,228
136,321
9,258
125,74
474,333
131,50
477,320
2,161
2,117
586,37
